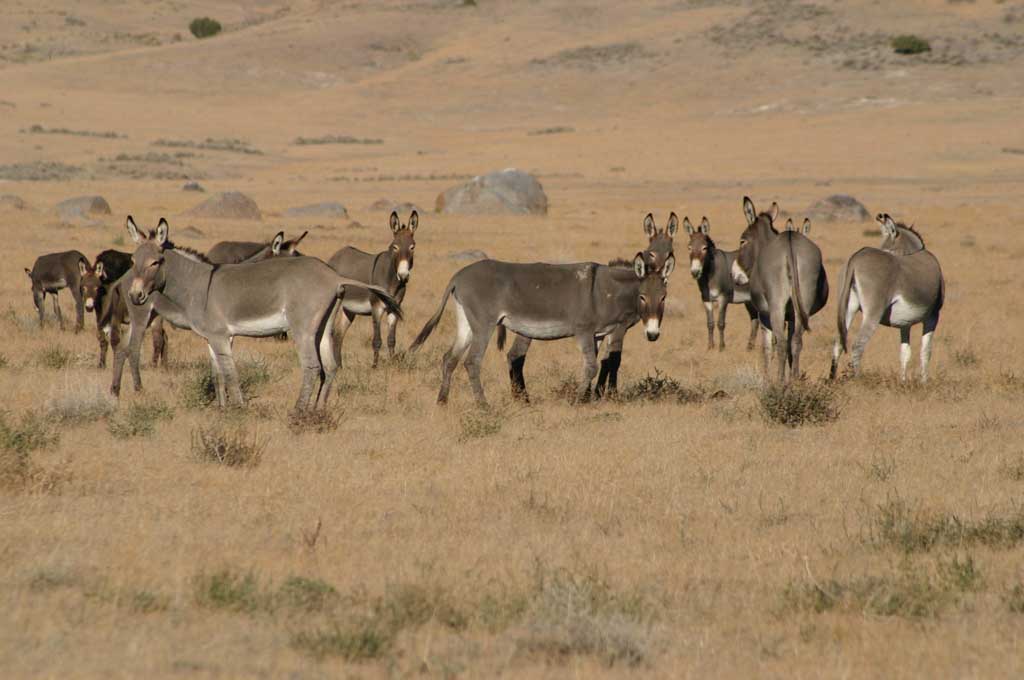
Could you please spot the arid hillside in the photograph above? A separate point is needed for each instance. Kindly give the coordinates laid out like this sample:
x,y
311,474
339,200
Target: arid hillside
x,y
679,530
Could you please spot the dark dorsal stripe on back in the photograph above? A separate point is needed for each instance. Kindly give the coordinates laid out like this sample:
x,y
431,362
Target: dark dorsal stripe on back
x,y
185,250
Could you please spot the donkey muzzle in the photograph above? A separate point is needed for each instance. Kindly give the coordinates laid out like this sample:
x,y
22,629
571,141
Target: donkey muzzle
x,y
696,267
89,304
738,275
653,329
403,271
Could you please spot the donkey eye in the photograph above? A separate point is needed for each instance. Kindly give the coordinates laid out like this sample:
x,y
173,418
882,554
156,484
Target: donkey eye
x,y
412,247
743,242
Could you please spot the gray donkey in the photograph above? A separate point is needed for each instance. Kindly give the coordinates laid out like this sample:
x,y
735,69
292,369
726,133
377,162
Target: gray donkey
x,y
711,268
787,282
219,302
236,252
899,284
52,273
586,301
390,269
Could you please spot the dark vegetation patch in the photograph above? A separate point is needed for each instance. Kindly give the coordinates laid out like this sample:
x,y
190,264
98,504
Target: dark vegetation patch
x,y
915,591
591,57
557,130
139,419
316,421
659,387
41,130
40,171
54,357
477,424
910,44
229,446
204,27
17,442
800,403
199,388
335,139
895,525
210,144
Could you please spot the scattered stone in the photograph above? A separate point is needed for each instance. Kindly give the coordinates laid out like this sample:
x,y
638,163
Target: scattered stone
x,y
508,192
13,202
193,186
326,209
839,208
467,255
227,205
82,209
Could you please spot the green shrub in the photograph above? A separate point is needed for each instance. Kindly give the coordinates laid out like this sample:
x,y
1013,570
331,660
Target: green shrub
x,y
204,27
230,590
139,420
200,389
910,44
800,403
17,442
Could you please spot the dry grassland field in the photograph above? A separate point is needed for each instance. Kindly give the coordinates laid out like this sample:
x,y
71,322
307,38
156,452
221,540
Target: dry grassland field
x,y
679,530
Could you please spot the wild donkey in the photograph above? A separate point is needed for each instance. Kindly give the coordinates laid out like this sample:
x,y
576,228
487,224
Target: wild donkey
x,y
294,294
54,272
787,282
711,268
659,248
899,284
390,269
586,301
236,252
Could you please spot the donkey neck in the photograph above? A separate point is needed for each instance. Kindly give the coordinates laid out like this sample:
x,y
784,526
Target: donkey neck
x,y
385,272
908,244
186,281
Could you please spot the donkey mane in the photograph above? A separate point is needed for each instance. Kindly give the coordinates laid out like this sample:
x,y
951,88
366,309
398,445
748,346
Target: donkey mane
x,y
912,230
620,262
190,253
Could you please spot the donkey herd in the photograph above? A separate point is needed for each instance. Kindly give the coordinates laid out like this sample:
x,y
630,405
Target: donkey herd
x,y
271,289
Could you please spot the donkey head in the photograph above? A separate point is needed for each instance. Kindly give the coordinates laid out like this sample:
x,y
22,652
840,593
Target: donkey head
x,y
403,243
759,225
659,247
37,289
279,247
147,261
90,284
897,238
653,289
701,246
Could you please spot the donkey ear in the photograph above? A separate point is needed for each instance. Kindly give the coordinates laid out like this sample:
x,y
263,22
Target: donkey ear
x,y
162,228
887,221
83,267
99,269
295,242
133,231
673,224
773,212
394,222
639,266
789,224
414,220
649,227
687,226
275,245
806,229
668,267
29,272
748,210
705,226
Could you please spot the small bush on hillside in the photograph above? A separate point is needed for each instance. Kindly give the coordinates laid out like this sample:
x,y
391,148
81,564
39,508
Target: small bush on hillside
x,y
17,442
3,361
910,44
237,448
139,420
54,357
231,591
204,27
800,403
897,526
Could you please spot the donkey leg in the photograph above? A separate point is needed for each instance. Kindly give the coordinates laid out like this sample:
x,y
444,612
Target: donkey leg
x,y
796,346
56,311
329,357
76,295
904,352
376,311
610,364
463,336
723,307
101,336
231,382
516,360
474,359
588,346
755,325
392,322
343,321
868,326
39,300
122,350
767,344
709,312
782,347
218,378
159,343
926,344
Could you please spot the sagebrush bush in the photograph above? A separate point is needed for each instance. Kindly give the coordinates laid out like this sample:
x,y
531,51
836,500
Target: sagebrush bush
x,y
233,448
54,357
319,421
17,442
800,403
80,403
139,419
200,388
910,44
204,27
478,424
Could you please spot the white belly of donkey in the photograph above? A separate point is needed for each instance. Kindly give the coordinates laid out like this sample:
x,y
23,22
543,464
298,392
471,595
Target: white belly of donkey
x,y
902,313
272,324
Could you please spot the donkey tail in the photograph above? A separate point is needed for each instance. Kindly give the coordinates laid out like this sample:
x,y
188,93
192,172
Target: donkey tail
x,y
429,327
794,278
390,303
846,286
501,338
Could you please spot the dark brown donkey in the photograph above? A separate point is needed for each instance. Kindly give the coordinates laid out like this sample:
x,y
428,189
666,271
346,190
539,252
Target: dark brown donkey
x,y
52,273
712,269
390,269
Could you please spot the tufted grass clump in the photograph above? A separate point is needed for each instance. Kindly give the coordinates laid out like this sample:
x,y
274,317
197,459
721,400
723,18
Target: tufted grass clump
x,y
231,448
204,27
139,419
800,403
910,44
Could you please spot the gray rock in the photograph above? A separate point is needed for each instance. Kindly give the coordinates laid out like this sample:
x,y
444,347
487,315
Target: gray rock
x,y
228,205
82,209
193,186
326,209
192,231
467,255
13,202
508,192
839,208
